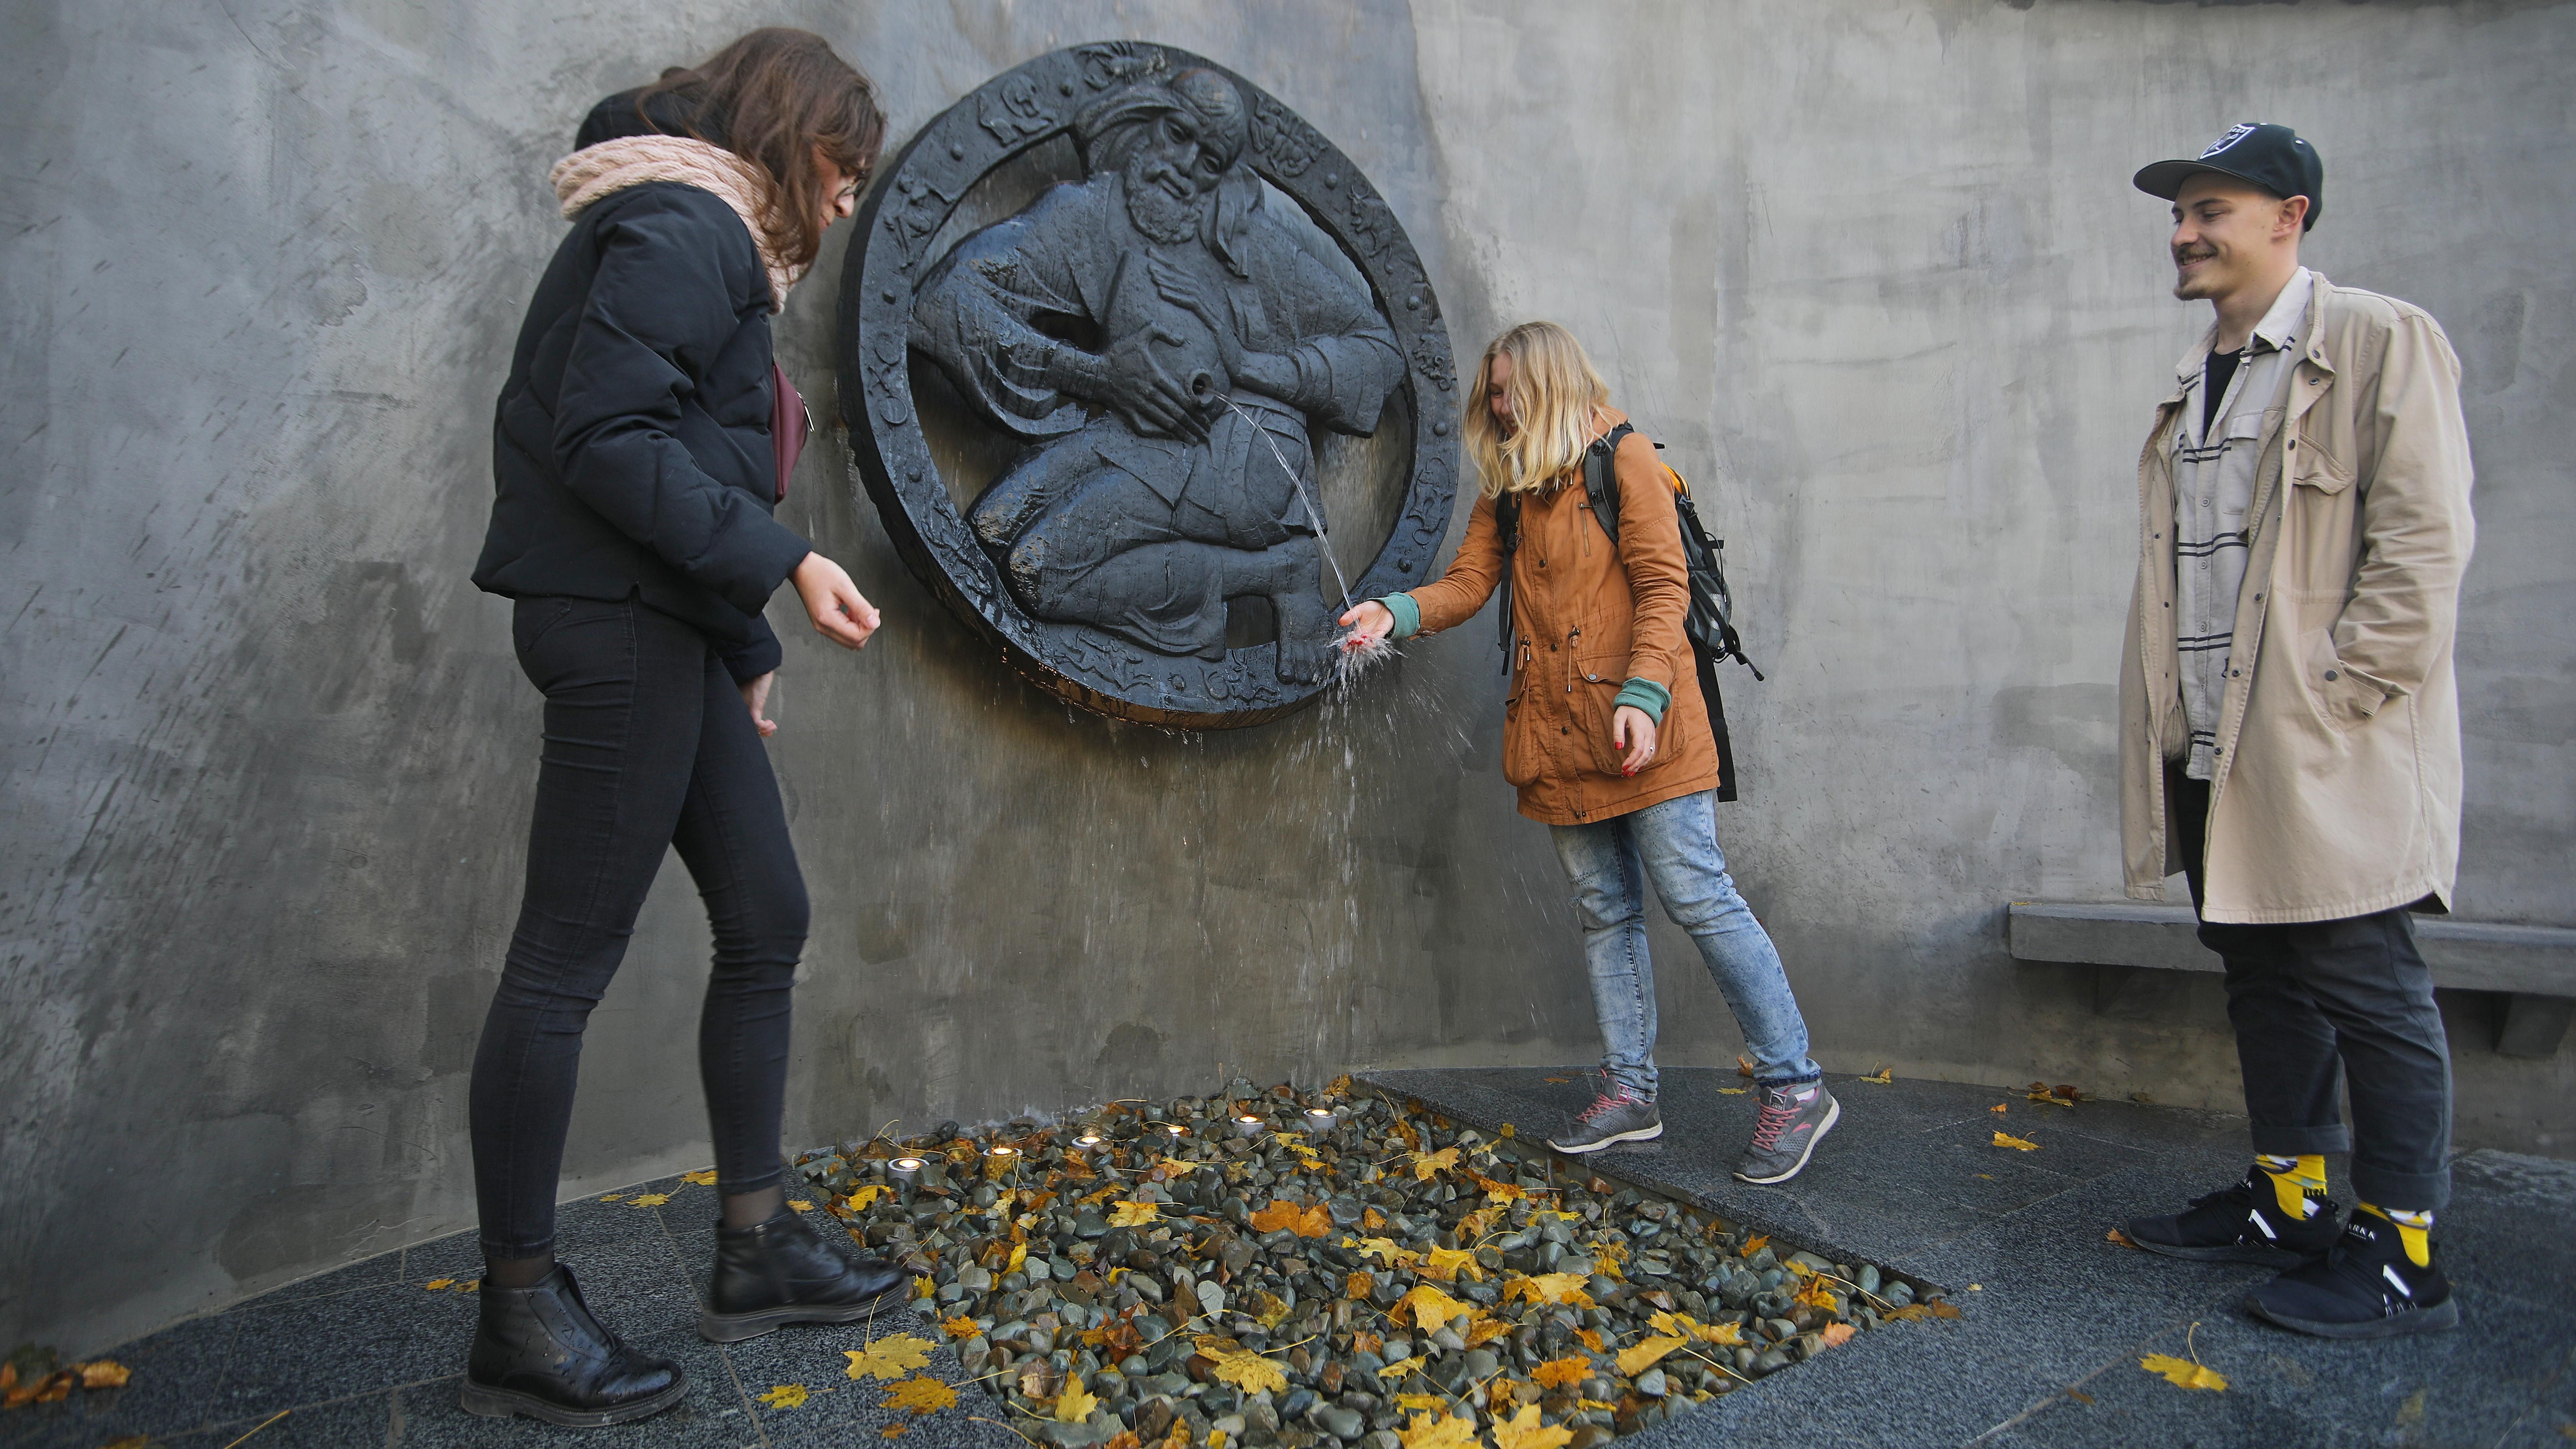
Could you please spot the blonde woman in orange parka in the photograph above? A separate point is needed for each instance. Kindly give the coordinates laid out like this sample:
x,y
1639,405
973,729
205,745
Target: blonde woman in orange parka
x,y
1605,733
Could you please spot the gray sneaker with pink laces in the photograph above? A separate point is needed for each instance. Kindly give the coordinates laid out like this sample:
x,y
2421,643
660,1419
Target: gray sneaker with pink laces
x,y
1617,1115
1794,1116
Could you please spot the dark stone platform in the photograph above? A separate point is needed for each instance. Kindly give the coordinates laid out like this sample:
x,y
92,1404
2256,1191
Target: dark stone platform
x,y
2055,1316
2046,1352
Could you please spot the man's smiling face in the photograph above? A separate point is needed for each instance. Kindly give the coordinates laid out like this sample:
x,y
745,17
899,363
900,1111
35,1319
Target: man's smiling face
x,y
2224,233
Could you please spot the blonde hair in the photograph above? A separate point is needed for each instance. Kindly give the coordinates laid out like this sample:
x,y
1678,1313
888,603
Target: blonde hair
x,y
1555,397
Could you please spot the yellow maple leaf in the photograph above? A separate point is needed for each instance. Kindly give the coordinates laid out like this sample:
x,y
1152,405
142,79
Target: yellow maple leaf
x,y
800,1204
861,1200
1358,1285
1422,1401
2000,1108
1884,1076
1756,1243
704,1178
2018,1144
1074,1405
1384,1250
2184,1372
893,1430
786,1396
1549,1288
890,1357
921,1395
1486,1330
434,1284
1246,1370
1134,1214
1835,1335
1448,1431
648,1199
1816,1295
1446,1264
104,1373
1564,1373
922,1287
1638,1357
1430,1307
1305,1222
960,1326
1589,1337
1019,1255
1372,1219
1524,1431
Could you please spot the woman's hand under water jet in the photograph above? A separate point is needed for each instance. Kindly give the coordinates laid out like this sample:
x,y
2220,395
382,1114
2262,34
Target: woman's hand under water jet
x,y
1367,620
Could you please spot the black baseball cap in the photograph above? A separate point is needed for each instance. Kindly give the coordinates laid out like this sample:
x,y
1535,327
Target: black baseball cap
x,y
2272,157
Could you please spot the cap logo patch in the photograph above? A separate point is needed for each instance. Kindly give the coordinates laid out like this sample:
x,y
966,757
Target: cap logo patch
x,y
2234,135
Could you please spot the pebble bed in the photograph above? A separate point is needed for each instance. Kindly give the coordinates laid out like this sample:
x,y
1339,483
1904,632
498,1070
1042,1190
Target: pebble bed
x,y
1329,1268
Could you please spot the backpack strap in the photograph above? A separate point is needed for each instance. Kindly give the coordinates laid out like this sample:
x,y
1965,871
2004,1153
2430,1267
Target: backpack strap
x,y
1507,527
1601,479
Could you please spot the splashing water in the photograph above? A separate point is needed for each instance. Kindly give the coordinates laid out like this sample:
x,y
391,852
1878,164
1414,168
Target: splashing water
x,y
1357,652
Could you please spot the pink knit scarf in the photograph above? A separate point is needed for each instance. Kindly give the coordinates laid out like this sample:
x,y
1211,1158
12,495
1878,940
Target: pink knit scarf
x,y
593,172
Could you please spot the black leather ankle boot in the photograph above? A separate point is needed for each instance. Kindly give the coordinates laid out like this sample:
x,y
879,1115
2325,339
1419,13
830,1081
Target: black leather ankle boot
x,y
781,1272
537,1351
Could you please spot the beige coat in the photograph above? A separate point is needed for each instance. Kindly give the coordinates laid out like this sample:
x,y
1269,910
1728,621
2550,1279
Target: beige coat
x,y
2337,789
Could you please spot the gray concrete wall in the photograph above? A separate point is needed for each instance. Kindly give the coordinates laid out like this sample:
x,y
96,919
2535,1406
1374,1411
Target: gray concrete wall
x,y
1873,270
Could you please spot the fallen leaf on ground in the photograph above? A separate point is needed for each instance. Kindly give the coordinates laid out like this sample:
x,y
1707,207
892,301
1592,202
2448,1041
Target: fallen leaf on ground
x,y
1243,1368
960,1326
1884,1076
1756,1243
1427,1163
1358,1285
921,1395
864,1197
1547,1288
1589,1337
786,1396
922,1287
2018,1144
1445,1264
648,1199
1485,1330
105,1373
1372,1219
2183,1372
1743,1068
2000,1108
1305,1222
890,1357
1835,1334
1524,1431
1733,1091
1638,1357
893,1430
2121,1238
1438,1403
611,1196
706,1178
1019,1256
1074,1405
1553,1081
1563,1373
800,1204
1816,1294
434,1284
1134,1214
1445,1432
1430,1307
130,1441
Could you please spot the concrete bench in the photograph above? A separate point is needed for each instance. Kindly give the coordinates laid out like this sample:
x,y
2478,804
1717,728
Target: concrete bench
x,y
2533,968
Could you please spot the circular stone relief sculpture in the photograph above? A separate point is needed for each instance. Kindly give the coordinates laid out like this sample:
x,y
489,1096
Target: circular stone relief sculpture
x,y
1130,356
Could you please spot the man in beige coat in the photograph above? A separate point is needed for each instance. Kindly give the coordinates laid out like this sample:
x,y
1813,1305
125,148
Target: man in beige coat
x,y
2290,736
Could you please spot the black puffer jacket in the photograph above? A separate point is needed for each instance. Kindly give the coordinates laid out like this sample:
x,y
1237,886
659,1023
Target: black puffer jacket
x,y
631,449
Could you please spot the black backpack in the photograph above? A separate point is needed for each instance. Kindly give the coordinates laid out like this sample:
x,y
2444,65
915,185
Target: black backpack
x,y
1710,625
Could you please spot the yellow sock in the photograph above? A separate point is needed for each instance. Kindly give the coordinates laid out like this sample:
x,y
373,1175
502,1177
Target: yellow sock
x,y
2414,1230
2299,1182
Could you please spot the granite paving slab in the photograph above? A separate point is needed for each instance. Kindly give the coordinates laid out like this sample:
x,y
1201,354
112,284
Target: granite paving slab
x,y
2055,1317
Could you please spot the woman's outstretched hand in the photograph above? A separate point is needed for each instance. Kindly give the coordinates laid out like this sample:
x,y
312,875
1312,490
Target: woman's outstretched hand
x,y
1369,619
1632,731
840,613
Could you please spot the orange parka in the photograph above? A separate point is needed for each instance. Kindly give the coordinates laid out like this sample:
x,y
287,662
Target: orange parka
x,y
1588,618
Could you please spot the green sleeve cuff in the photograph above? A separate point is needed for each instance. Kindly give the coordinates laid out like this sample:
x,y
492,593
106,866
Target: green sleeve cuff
x,y
1408,615
1644,694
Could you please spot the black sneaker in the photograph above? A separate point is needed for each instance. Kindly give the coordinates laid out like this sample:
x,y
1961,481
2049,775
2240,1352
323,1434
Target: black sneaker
x,y
1794,1119
2239,1224
1617,1115
2364,1287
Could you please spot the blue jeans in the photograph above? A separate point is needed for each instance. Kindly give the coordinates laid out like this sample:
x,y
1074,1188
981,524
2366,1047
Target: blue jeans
x,y
1676,844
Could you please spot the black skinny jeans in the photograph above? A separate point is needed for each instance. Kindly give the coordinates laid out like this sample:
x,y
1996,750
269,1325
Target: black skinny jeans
x,y
2313,996
647,745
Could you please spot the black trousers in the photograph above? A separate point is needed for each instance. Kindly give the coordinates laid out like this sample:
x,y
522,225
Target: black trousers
x,y
647,746
2308,998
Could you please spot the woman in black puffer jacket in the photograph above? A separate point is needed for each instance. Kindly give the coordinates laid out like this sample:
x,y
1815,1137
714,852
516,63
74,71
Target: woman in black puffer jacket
x,y
641,442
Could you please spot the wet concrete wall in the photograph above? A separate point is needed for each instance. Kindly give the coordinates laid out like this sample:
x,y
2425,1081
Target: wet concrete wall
x,y
1874,271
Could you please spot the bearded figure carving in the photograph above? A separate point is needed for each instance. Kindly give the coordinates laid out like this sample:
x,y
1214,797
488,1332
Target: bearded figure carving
x,y
1165,345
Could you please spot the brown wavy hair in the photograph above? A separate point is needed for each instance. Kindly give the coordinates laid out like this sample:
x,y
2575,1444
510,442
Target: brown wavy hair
x,y
773,97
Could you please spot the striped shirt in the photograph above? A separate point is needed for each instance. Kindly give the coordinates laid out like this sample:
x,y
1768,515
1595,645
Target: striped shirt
x,y
2214,452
